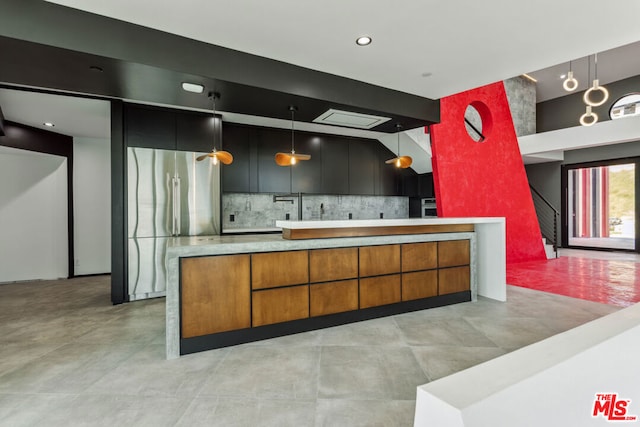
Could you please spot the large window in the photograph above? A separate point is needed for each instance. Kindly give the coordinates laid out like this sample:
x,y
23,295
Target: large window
x,y
601,207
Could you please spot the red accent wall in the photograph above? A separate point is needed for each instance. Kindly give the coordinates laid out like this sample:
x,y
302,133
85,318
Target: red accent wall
x,y
478,179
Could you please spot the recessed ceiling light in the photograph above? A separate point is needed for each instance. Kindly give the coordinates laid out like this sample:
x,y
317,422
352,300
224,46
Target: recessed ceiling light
x,y
96,68
363,40
192,87
563,76
48,124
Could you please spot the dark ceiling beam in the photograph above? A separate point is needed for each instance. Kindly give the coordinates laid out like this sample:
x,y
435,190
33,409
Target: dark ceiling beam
x,y
142,58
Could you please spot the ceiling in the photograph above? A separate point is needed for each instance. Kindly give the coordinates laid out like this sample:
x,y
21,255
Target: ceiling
x,y
429,48
422,48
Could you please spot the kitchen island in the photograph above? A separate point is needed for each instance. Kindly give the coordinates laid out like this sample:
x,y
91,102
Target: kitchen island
x,y
227,290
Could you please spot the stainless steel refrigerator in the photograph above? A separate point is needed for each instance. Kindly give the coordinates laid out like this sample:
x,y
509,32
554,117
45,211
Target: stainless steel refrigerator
x,y
169,194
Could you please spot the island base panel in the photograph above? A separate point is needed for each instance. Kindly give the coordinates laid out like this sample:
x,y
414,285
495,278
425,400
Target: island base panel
x,y
226,339
455,279
421,284
381,290
333,297
280,305
215,294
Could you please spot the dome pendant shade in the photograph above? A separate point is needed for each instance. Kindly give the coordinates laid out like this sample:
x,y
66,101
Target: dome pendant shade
x,y
290,159
401,162
225,157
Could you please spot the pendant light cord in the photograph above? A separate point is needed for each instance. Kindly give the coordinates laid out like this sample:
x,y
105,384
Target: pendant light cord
x,y
292,121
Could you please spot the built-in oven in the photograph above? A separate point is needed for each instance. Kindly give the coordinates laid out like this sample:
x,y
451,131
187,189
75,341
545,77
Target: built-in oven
x,y
429,208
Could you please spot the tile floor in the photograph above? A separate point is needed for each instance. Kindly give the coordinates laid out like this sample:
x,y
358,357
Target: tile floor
x,y
599,276
70,358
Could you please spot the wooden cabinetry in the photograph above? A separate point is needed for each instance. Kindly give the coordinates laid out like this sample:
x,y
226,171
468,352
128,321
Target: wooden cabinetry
x,y
231,292
454,273
215,294
275,269
379,290
378,260
327,265
419,256
280,305
333,297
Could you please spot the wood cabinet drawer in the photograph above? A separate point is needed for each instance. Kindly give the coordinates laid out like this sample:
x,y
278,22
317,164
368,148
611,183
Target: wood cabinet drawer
x,y
378,260
216,294
333,297
280,305
326,265
419,284
273,269
453,253
419,256
454,279
379,290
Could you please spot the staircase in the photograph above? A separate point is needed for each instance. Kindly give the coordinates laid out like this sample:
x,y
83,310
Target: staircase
x,y
548,219
550,250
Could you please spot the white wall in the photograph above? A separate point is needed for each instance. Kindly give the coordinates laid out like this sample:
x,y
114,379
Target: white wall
x,y
92,205
33,216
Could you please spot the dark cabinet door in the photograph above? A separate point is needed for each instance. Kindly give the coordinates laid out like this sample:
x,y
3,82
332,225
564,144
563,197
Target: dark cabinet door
x,y
273,178
236,176
363,167
197,132
426,185
335,165
307,175
410,186
150,127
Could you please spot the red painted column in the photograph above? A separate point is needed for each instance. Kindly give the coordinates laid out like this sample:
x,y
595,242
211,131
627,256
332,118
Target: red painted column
x,y
478,179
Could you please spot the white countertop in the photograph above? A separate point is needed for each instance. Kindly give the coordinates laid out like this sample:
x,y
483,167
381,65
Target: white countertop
x,y
386,222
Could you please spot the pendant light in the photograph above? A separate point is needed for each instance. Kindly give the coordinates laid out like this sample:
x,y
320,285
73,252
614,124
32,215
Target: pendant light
x,y
216,155
589,118
595,88
290,159
570,83
399,161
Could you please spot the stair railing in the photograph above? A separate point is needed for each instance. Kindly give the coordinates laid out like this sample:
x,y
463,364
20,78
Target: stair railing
x,y
548,217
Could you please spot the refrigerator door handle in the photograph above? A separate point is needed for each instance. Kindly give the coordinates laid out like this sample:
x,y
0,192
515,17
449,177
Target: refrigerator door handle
x,y
175,205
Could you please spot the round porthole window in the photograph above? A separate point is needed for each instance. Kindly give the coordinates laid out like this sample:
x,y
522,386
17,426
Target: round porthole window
x,y
627,106
477,121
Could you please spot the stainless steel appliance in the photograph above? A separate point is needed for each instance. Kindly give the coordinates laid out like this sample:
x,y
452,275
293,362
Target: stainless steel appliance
x,y
429,208
169,194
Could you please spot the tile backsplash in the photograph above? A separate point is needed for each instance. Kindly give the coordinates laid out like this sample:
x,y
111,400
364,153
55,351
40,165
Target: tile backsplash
x,y
259,211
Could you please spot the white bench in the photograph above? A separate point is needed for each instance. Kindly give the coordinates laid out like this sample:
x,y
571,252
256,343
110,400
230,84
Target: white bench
x,y
553,382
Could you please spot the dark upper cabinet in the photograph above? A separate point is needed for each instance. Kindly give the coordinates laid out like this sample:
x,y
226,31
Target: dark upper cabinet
x,y
271,177
410,186
236,177
363,167
335,165
306,176
425,182
197,132
150,127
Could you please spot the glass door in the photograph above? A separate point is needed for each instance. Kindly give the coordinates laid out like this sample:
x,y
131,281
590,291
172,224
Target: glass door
x,y
601,207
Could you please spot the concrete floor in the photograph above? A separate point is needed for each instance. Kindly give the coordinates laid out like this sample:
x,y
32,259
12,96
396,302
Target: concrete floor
x,y
70,358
